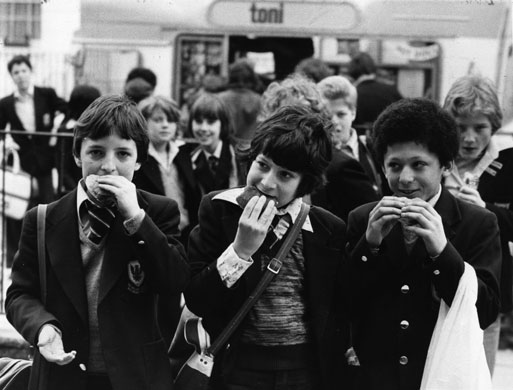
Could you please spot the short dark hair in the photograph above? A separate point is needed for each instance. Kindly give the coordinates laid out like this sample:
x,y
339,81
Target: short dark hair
x,y
296,138
313,68
211,107
81,97
19,59
473,94
242,75
143,73
417,120
150,104
361,64
112,114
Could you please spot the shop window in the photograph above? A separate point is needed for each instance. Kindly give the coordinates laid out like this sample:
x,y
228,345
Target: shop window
x,y
20,21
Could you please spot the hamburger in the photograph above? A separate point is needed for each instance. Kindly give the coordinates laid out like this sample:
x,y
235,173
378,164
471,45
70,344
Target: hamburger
x,y
248,193
102,197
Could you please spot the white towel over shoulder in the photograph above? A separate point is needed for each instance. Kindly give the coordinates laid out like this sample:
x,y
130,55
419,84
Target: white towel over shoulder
x,y
456,358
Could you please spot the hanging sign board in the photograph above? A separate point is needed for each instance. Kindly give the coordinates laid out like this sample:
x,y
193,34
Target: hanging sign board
x,y
308,16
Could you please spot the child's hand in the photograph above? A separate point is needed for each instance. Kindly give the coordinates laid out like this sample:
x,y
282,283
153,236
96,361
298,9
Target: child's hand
x,y
125,193
470,195
51,348
382,219
253,226
428,225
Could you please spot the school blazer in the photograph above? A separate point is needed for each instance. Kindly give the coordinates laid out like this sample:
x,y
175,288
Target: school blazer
x,y
496,189
135,269
347,187
36,156
323,250
396,296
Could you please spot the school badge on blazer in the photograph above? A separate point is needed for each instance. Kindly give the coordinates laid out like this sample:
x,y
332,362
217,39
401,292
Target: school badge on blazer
x,y
135,277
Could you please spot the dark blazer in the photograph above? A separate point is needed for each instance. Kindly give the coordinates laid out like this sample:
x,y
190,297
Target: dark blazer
x,y
323,251
396,296
198,182
135,354
36,155
347,187
496,189
372,168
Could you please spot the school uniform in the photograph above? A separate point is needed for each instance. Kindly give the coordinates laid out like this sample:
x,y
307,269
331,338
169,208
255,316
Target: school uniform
x,y
135,269
321,252
198,177
396,292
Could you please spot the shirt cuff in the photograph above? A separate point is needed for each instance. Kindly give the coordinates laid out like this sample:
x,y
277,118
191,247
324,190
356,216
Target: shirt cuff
x,y
231,267
133,224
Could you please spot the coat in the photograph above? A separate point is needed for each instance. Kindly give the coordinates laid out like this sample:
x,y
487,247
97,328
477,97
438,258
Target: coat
x,y
347,187
396,296
496,190
134,351
323,251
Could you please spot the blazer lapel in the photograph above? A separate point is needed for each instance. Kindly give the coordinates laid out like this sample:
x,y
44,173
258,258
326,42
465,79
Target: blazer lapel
x,y
66,260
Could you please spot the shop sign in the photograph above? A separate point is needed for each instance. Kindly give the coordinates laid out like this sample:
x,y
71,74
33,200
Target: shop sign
x,y
418,53
284,15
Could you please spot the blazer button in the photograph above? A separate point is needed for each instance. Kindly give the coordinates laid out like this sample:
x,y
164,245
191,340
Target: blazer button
x,y
82,366
404,324
405,289
364,258
141,242
403,360
436,272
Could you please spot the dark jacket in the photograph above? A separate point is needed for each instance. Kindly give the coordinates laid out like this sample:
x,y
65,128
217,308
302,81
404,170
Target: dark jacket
x,y
323,251
496,189
347,187
135,354
396,296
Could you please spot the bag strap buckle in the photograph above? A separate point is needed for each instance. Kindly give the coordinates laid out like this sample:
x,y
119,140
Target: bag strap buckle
x,y
274,265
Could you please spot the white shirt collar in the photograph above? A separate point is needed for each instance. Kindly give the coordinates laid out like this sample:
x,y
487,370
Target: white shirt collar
x,y
435,198
199,149
30,92
352,143
172,152
81,197
292,208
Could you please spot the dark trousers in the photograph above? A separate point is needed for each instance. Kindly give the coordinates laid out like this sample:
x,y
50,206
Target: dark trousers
x,y
298,379
98,382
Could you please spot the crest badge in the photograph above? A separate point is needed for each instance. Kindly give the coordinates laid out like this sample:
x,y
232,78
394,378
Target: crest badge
x,y
135,276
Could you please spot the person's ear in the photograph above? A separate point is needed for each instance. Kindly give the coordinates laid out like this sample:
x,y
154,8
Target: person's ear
x,y
137,166
78,161
446,170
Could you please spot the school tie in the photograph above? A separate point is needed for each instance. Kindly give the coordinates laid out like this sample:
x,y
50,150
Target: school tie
x,y
100,221
279,227
212,163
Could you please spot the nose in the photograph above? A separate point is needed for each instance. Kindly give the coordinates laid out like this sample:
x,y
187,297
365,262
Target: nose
x,y
467,135
268,182
406,176
108,163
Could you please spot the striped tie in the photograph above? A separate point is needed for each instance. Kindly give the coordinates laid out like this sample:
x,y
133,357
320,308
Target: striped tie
x,y
100,221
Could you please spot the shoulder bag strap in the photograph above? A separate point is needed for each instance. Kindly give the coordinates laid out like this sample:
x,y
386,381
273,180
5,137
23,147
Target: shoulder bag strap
x,y
271,271
41,253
